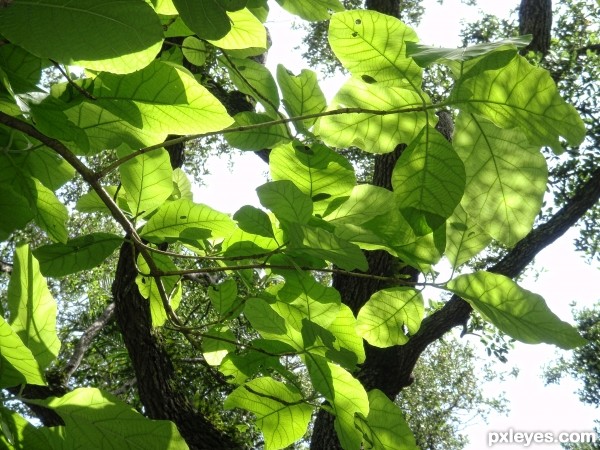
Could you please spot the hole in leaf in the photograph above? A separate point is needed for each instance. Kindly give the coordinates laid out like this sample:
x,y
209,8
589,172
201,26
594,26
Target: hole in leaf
x,y
368,79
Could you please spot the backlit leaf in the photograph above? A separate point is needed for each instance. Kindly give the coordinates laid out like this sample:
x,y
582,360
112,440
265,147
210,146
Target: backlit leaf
x,y
286,201
280,413
301,94
311,9
32,308
382,319
517,312
17,363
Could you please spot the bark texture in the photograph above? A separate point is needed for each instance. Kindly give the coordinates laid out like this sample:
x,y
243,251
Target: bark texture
x,y
535,18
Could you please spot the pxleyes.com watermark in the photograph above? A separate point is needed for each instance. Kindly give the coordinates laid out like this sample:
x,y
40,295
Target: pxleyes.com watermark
x,y
527,438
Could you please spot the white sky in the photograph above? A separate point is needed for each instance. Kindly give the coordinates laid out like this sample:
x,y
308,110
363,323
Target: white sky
x,y
564,276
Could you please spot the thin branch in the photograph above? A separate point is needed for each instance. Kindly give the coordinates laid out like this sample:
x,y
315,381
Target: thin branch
x,y
72,83
334,112
86,340
6,267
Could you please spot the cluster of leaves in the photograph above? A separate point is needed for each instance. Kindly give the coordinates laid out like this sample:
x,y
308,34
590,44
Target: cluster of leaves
x,y
448,199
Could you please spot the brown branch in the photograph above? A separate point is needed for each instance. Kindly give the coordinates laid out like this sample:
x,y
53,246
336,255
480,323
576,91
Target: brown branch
x,y
6,267
85,341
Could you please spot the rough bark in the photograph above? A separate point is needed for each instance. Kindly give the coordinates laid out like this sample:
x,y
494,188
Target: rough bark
x,y
535,18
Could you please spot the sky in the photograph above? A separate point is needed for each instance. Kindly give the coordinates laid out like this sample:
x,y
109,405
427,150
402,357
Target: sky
x,y
560,274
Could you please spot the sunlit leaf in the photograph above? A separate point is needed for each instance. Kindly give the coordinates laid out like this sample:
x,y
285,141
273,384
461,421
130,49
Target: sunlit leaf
x,y
280,413
194,50
122,37
223,296
317,171
187,220
17,363
376,131
301,94
286,201
161,97
257,138
92,416
147,180
32,308
149,289
385,427
374,44
346,395
311,9
246,32
382,319
517,312
271,325
428,181
22,433
519,95
253,79
464,237
506,177
217,342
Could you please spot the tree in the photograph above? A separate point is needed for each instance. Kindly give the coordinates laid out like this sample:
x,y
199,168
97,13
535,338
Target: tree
x,y
583,365
162,74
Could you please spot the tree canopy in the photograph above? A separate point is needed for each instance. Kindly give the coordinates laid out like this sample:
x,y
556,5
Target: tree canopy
x,y
308,312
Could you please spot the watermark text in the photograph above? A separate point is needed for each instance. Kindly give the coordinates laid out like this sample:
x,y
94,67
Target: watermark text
x,y
527,438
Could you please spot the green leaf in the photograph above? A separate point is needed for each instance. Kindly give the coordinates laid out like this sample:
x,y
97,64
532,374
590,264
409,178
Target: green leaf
x,y
121,37
517,312
255,221
206,18
214,350
17,363
346,395
183,219
50,119
23,435
519,95
223,296
364,203
280,412
374,44
317,171
428,181
147,179
92,417
241,243
19,207
506,177
385,427
194,50
41,163
239,368
49,213
32,308
247,32
80,253
161,97
22,69
311,10
253,79
320,243
382,319
149,289
271,325
343,328
303,298
90,202
256,138
301,95
286,201
426,55
464,237
374,132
